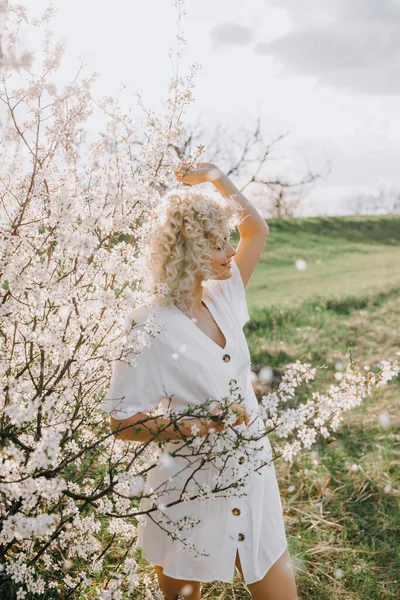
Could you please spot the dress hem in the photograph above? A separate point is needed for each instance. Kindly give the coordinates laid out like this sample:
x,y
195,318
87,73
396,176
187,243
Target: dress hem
x,y
216,578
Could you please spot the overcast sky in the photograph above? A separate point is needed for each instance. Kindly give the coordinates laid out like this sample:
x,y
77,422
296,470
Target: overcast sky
x,y
327,72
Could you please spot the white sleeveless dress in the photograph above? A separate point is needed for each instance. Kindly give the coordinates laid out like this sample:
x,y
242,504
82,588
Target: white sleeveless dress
x,y
183,362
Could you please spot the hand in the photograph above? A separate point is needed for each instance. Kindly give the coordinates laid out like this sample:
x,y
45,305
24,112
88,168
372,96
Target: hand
x,y
202,173
214,424
241,413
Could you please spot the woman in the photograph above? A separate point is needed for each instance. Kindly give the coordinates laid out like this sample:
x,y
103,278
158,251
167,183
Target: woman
x,y
200,353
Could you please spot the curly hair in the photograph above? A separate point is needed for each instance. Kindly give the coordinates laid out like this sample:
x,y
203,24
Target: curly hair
x,y
182,237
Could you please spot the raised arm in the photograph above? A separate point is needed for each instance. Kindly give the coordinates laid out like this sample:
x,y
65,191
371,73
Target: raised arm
x,y
252,228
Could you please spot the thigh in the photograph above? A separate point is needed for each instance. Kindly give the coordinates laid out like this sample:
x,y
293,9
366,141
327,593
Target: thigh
x,y
279,582
238,564
177,588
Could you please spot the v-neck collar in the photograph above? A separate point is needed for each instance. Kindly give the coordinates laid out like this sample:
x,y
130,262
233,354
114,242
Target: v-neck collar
x,y
201,332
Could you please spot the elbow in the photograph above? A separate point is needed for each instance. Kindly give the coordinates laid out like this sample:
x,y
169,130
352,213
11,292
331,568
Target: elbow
x,y
117,434
117,428
126,430
263,231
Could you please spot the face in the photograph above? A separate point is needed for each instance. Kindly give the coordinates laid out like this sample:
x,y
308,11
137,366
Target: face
x,y
221,255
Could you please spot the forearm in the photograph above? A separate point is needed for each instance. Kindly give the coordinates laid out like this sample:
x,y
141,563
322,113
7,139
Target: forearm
x,y
160,428
252,222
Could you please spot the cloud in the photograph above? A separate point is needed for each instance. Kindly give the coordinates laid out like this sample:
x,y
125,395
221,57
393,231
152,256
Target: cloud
x,y
340,10
231,34
349,44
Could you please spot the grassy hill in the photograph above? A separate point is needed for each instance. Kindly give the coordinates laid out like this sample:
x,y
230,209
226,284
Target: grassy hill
x,y
344,255
352,272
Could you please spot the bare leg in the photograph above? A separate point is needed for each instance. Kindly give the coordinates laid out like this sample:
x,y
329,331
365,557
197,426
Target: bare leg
x,y
279,582
174,589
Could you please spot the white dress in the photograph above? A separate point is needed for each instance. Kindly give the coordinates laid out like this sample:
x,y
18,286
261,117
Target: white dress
x,y
184,362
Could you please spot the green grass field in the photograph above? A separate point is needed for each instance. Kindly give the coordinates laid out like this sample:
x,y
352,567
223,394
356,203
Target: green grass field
x,y
344,255
343,518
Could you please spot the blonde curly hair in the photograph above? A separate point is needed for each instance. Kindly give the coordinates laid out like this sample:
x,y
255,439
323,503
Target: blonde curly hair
x,y
182,237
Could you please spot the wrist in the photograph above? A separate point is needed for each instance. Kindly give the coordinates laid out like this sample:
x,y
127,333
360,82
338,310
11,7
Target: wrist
x,y
210,422
216,422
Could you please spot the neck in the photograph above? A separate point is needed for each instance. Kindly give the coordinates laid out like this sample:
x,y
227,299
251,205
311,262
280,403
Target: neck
x,y
198,304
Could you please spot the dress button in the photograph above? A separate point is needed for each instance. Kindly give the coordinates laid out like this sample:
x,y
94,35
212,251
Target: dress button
x,y
241,460
226,357
232,382
236,512
240,537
